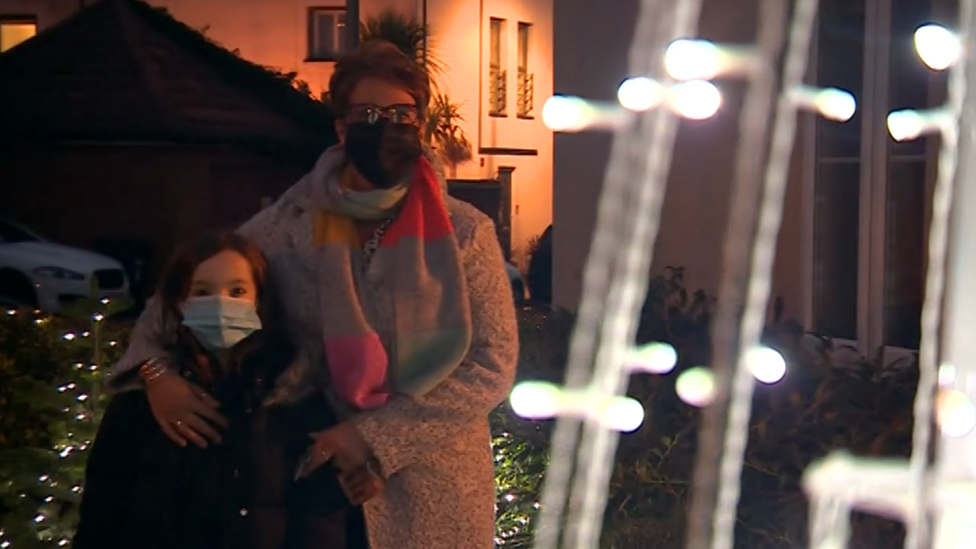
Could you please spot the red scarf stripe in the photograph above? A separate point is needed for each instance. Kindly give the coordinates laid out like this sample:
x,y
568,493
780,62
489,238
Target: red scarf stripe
x,y
424,214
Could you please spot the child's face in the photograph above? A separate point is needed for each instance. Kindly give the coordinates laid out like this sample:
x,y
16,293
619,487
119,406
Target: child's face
x,y
226,274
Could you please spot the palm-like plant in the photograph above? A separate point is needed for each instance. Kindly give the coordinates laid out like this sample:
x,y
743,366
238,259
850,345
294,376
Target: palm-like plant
x,y
406,33
442,132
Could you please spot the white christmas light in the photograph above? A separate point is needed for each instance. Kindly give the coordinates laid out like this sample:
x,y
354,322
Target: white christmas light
x,y
692,60
654,358
937,46
696,386
542,400
767,365
535,399
955,413
563,113
831,103
623,414
640,94
696,99
905,125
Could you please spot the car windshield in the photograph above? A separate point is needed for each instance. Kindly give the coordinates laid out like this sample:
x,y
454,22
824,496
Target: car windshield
x,y
11,233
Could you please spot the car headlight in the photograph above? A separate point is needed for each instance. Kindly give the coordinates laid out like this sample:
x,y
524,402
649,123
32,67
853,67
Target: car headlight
x,y
58,273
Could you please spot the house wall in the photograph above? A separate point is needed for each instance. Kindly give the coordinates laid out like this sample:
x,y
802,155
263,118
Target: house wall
x,y
694,215
524,144
131,192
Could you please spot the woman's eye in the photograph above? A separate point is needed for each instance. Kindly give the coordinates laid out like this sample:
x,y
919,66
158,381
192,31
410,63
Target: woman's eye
x,y
238,292
200,293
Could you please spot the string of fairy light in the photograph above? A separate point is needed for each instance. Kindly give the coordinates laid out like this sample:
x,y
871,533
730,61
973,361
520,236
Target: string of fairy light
x,y
80,412
689,92
913,491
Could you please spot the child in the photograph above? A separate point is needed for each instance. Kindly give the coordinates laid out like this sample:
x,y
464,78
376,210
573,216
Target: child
x,y
144,492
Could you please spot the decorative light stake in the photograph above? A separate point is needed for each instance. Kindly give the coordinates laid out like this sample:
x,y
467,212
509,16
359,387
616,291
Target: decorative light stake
x,y
937,504
615,278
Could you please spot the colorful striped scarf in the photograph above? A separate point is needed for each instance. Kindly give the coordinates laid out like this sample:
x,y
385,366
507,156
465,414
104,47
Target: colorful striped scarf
x,y
419,263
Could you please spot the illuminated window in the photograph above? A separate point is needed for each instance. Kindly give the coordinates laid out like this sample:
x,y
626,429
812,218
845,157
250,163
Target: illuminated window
x,y
14,30
326,33
497,77
525,98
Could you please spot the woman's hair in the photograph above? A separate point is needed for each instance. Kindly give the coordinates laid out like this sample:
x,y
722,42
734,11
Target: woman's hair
x,y
378,59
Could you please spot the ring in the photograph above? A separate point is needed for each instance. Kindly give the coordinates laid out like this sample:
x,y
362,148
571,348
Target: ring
x,y
178,423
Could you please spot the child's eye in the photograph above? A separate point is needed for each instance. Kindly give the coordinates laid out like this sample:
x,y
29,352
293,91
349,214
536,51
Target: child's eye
x,y
238,292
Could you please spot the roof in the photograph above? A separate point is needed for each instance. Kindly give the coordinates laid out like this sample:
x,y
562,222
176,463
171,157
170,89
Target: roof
x,y
124,70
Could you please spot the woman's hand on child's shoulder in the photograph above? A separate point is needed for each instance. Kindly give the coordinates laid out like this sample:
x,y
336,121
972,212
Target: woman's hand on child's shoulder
x,y
185,412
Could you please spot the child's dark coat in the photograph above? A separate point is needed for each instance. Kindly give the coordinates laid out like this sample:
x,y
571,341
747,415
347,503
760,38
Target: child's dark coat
x,y
144,492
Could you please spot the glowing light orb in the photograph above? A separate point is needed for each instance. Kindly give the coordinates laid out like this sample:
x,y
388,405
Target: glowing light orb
x,y
623,414
696,99
654,358
836,104
905,124
639,94
955,413
937,46
766,365
543,400
696,386
563,113
692,60
535,400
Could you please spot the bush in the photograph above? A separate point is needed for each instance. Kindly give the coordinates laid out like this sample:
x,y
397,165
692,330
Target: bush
x,y
817,408
50,405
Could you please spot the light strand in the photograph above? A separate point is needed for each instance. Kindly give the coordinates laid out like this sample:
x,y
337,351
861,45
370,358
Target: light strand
x,y
597,281
760,277
917,532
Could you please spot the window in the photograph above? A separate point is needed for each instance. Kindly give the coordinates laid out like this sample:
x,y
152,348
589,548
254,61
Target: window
x,y
870,194
14,30
525,98
497,78
326,33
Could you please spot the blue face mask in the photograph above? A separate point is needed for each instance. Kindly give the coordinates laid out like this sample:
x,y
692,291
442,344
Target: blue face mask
x,y
220,322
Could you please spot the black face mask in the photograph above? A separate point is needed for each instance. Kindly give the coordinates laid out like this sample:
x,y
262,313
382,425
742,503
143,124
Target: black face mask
x,y
385,153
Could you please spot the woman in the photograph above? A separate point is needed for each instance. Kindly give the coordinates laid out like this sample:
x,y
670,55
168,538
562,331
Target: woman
x,y
404,290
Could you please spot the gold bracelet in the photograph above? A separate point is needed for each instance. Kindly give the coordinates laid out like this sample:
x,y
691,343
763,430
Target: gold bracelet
x,y
152,370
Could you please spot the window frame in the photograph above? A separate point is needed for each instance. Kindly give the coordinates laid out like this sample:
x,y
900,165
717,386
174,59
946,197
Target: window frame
x,y
525,96
313,13
497,75
19,19
874,158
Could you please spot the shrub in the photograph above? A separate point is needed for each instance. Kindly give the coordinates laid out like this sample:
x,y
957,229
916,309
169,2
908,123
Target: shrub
x,y
50,405
817,408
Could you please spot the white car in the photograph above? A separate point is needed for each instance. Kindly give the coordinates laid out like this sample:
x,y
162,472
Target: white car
x,y
45,275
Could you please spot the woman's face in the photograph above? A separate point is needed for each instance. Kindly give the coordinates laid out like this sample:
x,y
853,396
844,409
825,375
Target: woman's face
x,y
226,274
376,92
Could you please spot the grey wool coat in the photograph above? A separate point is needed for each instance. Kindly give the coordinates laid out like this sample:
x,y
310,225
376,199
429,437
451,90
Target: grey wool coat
x,y
435,450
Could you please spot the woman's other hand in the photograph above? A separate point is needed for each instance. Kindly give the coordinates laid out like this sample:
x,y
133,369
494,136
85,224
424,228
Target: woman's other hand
x,y
342,444
185,412
361,484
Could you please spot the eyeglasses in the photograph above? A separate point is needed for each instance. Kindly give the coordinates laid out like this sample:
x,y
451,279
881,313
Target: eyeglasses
x,y
398,114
